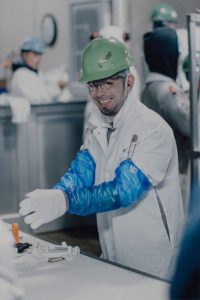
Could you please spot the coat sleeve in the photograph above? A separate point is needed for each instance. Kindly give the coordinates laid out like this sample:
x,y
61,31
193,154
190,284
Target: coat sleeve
x,y
176,109
153,155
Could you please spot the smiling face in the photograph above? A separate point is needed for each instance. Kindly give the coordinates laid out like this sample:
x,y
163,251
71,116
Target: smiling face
x,y
110,94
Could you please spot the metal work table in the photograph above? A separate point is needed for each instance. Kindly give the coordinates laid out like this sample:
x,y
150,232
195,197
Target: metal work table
x,y
86,278
37,153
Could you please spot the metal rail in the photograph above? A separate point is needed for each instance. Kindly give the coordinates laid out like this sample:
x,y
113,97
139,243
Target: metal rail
x,y
193,20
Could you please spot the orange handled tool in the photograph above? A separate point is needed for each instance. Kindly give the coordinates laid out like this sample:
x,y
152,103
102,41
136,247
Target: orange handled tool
x,y
21,247
15,232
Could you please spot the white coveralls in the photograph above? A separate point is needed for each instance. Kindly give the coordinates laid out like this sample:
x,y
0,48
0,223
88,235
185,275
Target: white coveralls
x,y
144,236
31,85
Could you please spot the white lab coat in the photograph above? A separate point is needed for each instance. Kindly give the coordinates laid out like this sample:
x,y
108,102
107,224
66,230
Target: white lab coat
x,y
30,85
136,236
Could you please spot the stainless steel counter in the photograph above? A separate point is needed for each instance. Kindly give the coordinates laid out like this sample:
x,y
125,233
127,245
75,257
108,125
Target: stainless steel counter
x,y
37,153
83,278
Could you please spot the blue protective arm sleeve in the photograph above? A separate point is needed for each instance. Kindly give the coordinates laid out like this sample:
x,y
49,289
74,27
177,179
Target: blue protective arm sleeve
x,y
127,187
80,174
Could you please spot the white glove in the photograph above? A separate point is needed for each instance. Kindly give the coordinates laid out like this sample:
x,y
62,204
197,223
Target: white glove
x,y
43,206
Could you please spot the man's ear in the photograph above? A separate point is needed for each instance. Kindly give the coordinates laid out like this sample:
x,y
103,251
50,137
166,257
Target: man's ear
x,y
130,82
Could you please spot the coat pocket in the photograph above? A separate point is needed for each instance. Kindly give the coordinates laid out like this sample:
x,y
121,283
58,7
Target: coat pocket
x,y
129,149
163,215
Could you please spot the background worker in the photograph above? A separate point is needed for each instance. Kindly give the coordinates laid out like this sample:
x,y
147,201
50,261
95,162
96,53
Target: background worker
x,y
164,96
126,170
116,32
27,80
164,15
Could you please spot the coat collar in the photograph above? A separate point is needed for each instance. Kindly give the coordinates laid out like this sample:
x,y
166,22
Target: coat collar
x,y
99,120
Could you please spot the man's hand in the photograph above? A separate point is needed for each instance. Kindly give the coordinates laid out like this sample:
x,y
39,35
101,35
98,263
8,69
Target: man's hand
x,y
43,206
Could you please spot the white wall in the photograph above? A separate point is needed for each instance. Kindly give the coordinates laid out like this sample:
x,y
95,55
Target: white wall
x,y
22,18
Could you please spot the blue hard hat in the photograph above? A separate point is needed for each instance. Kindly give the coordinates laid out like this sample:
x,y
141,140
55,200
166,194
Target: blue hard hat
x,y
33,44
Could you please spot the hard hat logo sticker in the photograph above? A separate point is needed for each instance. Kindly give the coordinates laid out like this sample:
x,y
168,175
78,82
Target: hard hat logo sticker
x,y
103,61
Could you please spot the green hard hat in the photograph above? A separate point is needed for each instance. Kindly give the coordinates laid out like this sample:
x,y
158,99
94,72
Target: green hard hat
x,y
104,57
164,12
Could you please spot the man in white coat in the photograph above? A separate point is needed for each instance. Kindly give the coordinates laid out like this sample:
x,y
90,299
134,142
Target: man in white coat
x,y
126,171
162,94
27,80
116,32
164,15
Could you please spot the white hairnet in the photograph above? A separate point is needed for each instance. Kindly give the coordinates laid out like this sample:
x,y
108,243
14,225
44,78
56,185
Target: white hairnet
x,y
112,31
